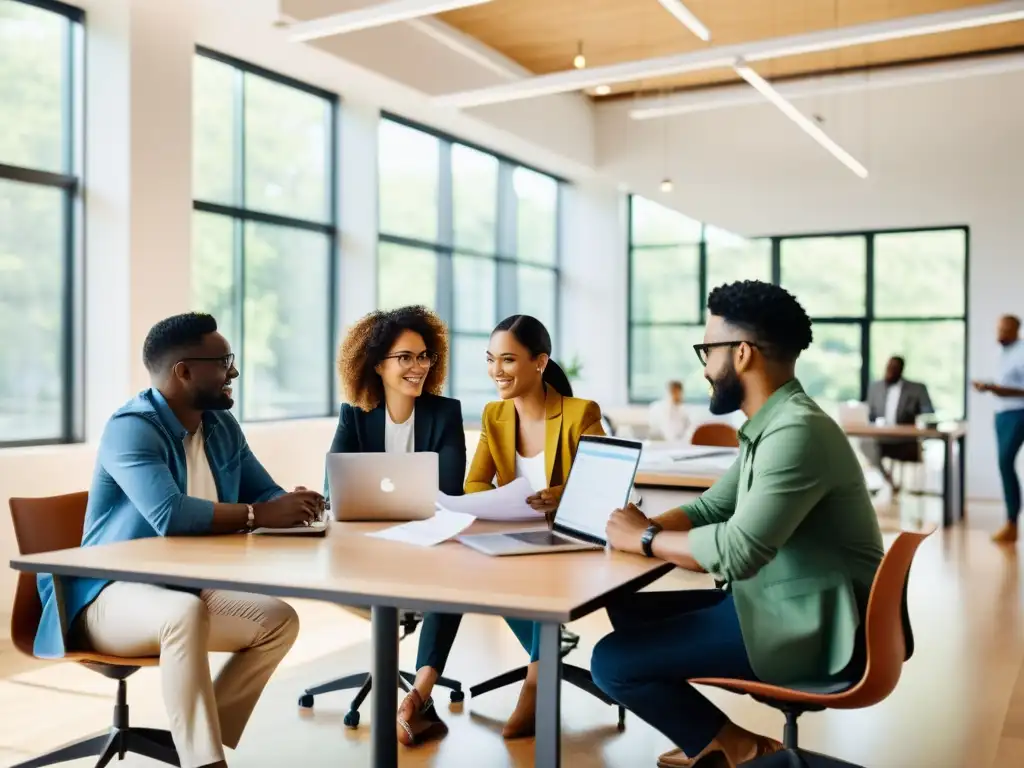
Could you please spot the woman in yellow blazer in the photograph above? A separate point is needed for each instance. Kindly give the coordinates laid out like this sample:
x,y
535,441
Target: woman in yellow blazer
x,y
532,432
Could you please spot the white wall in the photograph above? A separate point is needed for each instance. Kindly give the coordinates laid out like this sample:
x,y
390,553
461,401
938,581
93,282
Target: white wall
x,y
939,154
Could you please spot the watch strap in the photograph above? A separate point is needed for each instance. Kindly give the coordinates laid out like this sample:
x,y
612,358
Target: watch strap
x,y
648,537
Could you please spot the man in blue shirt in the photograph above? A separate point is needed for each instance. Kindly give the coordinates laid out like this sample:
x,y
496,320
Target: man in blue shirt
x,y
1009,391
174,462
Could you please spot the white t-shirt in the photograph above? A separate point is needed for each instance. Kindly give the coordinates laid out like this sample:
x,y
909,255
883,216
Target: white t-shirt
x,y
1011,374
198,475
534,470
399,438
892,401
668,420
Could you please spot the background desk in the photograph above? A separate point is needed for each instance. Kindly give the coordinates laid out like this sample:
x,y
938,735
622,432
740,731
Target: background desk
x,y
953,458
349,568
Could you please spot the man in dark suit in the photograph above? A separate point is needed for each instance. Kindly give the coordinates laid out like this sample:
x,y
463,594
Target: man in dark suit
x,y
895,400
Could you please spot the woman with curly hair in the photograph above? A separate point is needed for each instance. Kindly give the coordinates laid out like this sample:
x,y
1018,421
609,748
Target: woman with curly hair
x,y
392,366
533,432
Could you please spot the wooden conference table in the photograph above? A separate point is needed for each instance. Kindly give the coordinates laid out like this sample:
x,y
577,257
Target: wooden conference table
x,y
349,568
953,439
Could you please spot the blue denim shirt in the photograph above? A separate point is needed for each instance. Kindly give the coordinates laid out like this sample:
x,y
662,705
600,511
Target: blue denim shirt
x,y
138,491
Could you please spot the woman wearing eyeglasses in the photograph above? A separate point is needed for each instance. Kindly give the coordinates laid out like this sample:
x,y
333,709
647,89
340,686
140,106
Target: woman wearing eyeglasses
x,y
392,366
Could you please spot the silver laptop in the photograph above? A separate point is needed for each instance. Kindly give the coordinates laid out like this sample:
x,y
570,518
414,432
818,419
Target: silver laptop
x,y
382,486
600,481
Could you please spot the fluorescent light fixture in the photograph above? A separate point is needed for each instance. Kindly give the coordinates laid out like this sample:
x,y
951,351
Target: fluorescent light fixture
x,y
724,55
809,126
373,16
686,17
896,76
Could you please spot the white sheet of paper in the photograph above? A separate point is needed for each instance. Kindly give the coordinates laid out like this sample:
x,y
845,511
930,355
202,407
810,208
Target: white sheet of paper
x,y
507,503
442,526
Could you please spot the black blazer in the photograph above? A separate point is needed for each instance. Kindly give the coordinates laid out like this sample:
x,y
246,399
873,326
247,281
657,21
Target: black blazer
x,y
438,429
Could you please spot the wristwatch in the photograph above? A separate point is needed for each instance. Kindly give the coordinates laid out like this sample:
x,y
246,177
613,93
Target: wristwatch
x,y
250,520
645,541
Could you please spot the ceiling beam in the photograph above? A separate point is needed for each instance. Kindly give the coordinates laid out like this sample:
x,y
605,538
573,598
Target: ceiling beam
x,y
724,55
372,16
794,89
687,18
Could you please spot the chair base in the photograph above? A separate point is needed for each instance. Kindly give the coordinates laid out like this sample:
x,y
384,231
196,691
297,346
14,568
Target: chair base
x,y
571,674
364,682
798,758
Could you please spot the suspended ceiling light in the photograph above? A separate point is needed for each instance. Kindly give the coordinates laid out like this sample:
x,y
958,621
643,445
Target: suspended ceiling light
x,y
603,90
579,60
809,126
666,185
687,18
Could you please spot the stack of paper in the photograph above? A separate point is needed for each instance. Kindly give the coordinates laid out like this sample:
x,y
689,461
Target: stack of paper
x,y
507,503
442,526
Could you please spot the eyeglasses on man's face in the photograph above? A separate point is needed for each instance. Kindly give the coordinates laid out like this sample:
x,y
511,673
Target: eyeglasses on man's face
x,y
226,362
406,360
704,350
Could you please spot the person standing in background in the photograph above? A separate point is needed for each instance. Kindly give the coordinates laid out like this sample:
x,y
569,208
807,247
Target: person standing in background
x,y
667,417
1009,391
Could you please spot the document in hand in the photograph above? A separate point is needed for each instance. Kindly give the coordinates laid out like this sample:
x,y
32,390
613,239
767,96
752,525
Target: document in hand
x,y
442,526
507,503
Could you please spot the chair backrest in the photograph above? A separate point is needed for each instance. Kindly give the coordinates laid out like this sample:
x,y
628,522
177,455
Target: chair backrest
x,y
41,525
608,426
887,641
715,434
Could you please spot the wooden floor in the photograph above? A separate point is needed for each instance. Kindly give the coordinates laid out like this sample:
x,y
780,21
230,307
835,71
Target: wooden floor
x,y
960,702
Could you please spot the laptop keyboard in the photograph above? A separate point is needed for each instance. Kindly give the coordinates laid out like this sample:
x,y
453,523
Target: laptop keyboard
x,y
541,538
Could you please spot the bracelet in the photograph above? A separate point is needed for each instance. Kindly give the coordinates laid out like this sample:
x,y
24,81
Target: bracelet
x,y
648,537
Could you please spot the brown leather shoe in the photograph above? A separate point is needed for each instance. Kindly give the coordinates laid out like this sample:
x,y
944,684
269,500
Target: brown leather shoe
x,y
418,721
1006,535
733,745
523,722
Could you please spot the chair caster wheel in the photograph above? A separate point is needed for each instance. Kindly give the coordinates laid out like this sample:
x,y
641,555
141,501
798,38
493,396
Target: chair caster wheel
x,y
352,719
306,701
457,697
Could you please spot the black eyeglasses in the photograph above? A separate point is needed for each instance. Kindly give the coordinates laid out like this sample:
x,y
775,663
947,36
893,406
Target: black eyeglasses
x,y
406,359
702,350
227,362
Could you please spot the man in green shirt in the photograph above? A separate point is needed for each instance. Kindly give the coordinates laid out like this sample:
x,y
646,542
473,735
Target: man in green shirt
x,y
789,531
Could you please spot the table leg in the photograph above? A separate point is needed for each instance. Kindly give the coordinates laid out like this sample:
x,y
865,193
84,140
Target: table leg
x,y
952,482
547,749
384,704
961,463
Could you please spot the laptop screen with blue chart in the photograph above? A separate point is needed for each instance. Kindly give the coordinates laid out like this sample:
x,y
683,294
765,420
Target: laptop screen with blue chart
x,y
600,481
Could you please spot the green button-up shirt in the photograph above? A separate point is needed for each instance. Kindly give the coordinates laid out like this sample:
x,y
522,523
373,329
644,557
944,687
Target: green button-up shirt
x,y
791,527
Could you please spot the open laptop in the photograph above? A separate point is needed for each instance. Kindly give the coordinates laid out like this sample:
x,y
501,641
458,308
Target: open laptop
x,y
600,481
382,486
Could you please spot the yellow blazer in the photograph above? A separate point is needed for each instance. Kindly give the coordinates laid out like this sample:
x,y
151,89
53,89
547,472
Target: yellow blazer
x,y
568,418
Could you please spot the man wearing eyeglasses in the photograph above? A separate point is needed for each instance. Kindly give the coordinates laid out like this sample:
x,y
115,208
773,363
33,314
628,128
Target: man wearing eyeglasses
x,y
174,462
789,531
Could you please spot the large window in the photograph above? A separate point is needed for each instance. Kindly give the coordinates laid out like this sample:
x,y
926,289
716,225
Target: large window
x,y
870,295
40,157
264,256
472,235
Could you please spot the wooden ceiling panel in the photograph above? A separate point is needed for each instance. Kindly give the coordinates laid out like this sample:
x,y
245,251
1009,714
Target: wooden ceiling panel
x,y
543,35
929,47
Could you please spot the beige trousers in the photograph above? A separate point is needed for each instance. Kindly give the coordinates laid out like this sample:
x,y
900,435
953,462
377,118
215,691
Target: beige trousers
x,y
183,628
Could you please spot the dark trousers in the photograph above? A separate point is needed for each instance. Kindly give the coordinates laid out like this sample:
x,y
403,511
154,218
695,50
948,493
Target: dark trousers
x,y
660,640
437,635
1009,439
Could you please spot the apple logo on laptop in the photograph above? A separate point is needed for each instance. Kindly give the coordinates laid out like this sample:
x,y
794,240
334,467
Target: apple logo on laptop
x,y
386,486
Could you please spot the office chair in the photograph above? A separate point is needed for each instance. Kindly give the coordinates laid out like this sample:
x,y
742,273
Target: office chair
x,y
715,434
46,525
571,674
364,681
889,644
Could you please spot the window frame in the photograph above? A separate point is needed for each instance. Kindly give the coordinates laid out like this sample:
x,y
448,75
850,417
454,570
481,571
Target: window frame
x,y
864,321
70,182
242,215
505,259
